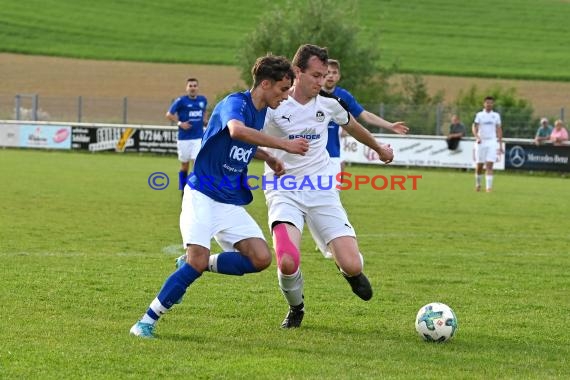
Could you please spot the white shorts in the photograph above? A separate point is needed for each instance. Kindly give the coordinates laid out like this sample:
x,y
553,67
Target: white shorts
x,y
203,218
321,209
188,149
486,151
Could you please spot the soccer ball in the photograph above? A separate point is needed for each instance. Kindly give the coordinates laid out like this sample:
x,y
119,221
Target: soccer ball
x,y
436,322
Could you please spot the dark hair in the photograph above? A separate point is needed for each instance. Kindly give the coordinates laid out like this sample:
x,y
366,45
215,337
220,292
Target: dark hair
x,y
334,63
191,80
489,98
305,52
271,67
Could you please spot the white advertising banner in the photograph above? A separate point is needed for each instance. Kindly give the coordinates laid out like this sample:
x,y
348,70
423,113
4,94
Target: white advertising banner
x,y
9,135
412,150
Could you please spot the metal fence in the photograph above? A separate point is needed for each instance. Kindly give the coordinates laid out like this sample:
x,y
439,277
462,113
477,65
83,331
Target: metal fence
x,y
83,109
422,120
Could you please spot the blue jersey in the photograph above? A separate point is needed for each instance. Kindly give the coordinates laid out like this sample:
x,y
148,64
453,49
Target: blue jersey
x,y
220,170
333,142
190,110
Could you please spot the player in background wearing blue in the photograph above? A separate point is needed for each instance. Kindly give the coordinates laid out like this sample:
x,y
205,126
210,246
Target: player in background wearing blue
x,y
355,109
189,113
215,210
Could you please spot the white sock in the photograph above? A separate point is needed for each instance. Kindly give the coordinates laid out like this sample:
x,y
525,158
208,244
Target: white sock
x,y
157,308
489,182
213,263
291,287
478,178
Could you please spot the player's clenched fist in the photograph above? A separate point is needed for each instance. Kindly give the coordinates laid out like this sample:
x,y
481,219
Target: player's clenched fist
x,y
297,146
386,153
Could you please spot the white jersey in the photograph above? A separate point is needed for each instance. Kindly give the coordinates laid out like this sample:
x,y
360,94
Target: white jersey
x,y
294,120
488,122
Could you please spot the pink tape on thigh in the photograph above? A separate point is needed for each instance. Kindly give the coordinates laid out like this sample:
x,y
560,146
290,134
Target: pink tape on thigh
x,y
284,245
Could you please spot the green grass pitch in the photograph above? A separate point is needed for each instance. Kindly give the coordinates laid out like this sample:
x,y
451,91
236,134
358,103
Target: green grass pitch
x,y
85,245
523,39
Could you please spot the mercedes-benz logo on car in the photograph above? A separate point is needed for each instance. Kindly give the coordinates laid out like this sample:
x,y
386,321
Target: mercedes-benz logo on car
x,y
517,156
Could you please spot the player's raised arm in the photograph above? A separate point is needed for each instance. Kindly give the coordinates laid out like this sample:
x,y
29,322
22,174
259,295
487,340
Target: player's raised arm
x,y
240,132
361,134
398,127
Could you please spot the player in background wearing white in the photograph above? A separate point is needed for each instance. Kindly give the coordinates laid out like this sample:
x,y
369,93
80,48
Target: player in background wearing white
x,y
487,131
355,109
189,113
306,113
212,208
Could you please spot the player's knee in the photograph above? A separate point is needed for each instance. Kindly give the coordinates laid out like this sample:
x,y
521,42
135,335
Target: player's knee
x,y
287,265
262,260
197,259
352,267
288,255
197,263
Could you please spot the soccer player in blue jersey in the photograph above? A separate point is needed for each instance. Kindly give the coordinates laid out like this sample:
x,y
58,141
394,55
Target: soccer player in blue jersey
x,y
355,109
213,208
189,112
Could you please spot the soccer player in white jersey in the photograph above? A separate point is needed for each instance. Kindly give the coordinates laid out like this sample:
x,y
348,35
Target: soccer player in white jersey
x,y
216,190
307,113
487,131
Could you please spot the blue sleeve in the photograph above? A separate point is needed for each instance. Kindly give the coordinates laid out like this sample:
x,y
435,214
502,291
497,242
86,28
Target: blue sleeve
x,y
174,106
353,106
234,108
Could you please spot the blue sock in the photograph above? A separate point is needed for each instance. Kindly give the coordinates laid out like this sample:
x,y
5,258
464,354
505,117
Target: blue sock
x,y
176,285
182,177
232,263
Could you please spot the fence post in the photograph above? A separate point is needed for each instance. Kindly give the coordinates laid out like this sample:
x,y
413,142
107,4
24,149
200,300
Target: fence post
x,y
35,101
18,102
381,110
562,113
79,108
438,111
125,106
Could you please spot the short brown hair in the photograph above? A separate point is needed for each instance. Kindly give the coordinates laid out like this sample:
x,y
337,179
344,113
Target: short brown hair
x,y
271,67
305,52
334,63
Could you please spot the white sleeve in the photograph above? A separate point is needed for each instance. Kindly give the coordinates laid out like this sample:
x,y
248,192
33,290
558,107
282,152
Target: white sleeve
x,y
268,118
339,114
